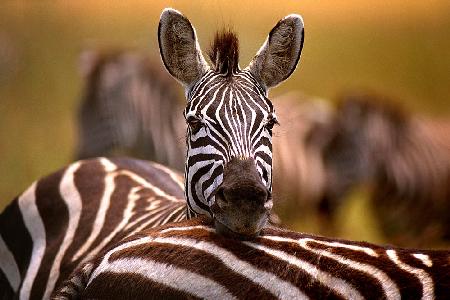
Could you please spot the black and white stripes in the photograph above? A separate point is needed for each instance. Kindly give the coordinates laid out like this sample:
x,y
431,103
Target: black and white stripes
x,y
229,118
71,215
233,118
189,260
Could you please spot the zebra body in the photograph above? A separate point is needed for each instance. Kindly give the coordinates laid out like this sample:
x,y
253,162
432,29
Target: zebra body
x,y
189,260
73,214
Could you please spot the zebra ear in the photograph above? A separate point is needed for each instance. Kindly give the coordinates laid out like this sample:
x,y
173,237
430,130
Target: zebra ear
x,y
87,61
279,55
179,48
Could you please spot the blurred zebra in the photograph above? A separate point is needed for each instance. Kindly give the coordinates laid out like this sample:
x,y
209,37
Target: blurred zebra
x,y
68,217
188,260
126,99
404,158
299,177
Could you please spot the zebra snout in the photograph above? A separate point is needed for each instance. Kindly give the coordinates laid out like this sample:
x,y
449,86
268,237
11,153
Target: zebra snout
x,y
242,202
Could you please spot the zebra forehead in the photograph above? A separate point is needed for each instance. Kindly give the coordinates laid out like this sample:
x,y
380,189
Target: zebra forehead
x,y
218,90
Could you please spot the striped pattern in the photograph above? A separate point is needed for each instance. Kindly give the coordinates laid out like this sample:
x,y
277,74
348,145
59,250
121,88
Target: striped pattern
x,y
189,260
298,178
404,157
228,171
125,100
234,113
211,93
70,216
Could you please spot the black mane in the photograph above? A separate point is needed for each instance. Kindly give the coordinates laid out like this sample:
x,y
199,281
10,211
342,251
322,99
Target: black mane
x,y
224,53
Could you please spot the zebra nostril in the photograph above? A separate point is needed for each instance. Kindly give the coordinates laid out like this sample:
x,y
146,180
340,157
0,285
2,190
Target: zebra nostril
x,y
221,201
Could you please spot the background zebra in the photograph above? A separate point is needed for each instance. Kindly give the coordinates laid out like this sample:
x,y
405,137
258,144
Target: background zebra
x,y
71,215
404,158
188,260
125,103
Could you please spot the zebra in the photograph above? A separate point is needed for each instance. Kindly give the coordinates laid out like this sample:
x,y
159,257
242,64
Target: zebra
x,y
125,101
65,218
189,260
228,172
50,241
405,158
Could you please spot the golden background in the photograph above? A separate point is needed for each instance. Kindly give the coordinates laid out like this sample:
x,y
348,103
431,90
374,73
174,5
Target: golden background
x,y
399,47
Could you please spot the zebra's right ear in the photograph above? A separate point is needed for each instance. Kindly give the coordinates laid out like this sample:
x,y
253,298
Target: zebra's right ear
x,y
179,48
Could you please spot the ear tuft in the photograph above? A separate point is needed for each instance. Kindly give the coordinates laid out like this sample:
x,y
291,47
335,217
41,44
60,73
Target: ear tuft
x,y
279,55
179,47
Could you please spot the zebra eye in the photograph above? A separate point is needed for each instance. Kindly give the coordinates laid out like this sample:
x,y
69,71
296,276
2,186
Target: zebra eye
x,y
194,123
271,121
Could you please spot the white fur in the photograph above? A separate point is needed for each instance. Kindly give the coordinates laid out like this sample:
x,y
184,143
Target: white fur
x,y
35,226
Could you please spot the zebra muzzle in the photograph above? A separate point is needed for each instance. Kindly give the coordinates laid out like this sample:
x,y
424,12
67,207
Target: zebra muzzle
x,y
242,203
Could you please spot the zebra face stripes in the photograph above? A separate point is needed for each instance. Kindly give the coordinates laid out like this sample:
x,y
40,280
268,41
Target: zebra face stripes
x,y
228,171
234,129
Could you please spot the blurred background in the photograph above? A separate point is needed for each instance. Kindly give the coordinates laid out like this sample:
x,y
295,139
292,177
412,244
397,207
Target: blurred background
x,y
398,47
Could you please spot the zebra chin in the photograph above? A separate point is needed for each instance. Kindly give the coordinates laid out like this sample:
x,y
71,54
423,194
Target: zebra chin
x,y
240,229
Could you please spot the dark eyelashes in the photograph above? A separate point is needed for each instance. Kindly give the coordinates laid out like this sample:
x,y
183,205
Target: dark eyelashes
x,y
194,123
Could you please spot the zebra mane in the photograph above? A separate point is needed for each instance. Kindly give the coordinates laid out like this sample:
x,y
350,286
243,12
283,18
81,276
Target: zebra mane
x,y
224,52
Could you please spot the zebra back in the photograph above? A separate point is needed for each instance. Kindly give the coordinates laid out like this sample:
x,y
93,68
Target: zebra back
x,y
70,216
188,260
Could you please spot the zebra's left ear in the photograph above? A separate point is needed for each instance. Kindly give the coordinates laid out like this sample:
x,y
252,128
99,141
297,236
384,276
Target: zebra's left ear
x,y
279,55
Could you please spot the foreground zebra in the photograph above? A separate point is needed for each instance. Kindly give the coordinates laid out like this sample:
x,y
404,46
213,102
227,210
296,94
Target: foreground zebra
x,y
188,260
230,119
228,166
71,215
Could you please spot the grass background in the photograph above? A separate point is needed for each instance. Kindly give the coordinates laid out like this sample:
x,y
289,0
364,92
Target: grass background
x,y
400,47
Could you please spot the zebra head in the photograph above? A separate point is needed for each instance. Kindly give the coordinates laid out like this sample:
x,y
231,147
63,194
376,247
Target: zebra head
x,y
228,171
